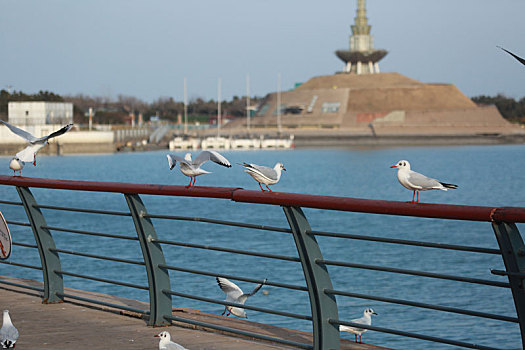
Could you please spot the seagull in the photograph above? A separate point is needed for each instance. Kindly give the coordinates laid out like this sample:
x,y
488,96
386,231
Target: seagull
x,y
418,182
263,174
521,60
165,342
8,332
234,294
28,154
366,320
192,168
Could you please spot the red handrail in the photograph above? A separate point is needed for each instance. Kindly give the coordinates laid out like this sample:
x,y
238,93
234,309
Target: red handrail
x,y
428,210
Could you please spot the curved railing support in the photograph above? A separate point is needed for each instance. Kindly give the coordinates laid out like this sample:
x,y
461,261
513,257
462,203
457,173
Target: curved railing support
x,y
324,306
158,278
53,281
513,253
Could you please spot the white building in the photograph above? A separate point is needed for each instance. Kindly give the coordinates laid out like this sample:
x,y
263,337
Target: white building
x,y
40,113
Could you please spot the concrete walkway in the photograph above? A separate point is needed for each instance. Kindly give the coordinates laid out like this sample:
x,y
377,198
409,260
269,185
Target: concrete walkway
x,y
78,325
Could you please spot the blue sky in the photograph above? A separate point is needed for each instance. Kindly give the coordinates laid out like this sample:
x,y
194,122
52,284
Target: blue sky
x,y
146,48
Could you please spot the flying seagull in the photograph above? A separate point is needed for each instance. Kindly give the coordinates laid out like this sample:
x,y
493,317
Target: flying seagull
x,y
263,174
234,294
165,342
28,154
192,168
8,332
418,182
513,55
366,320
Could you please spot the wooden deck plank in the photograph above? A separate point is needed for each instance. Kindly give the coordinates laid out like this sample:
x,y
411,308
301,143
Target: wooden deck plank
x,y
79,325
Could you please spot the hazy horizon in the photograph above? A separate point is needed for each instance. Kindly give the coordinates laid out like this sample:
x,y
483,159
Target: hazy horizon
x,y
145,50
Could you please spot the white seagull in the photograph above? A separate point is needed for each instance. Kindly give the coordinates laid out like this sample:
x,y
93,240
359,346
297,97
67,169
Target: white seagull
x,y
8,332
366,320
418,182
263,174
192,168
165,342
28,154
234,294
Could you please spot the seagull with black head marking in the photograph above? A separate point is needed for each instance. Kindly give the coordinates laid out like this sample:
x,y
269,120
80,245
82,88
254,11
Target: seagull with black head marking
x,y
365,320
28,154
416,182
264,175
165,342
192,168
234,294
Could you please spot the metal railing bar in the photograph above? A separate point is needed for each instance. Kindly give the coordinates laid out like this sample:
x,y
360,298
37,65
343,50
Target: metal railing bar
x,y
507,273
71,252
228,250
424,305
81,210
407,242
90,233
21,265
413,335
244,279
226,303
219,222
17,223
237,331
22,285
416,273
93,301
25,245
11,203
124,284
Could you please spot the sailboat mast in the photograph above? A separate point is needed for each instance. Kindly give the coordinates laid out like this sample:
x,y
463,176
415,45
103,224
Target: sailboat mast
x,y
248,102
185,107
279,102
219,108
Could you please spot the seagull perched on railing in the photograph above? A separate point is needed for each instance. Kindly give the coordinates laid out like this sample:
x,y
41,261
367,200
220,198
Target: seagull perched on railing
x,y
263,174
8,332
418,182
28,154
192,168
234,294
366,320
165,342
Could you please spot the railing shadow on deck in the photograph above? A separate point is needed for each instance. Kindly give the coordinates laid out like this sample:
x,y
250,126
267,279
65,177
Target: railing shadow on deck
x,y
322,295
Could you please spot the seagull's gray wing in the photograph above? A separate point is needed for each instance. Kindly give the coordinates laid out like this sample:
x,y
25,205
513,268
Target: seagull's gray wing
x,y
9,333
214,156
243,297
174,346
172,160
233,292
420,180
264,171
22,133
59,132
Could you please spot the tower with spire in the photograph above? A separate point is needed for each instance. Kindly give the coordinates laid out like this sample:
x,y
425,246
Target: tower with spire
x,y
362,58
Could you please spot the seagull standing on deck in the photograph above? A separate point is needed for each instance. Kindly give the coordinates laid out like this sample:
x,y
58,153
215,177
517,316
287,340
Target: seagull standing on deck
x,y
165,342
418,182
28,154
365,320
8,332
192,168
263,174
234,294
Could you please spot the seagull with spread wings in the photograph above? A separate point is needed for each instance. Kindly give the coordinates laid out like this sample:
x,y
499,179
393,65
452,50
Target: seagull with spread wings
x,y
28,154
192,168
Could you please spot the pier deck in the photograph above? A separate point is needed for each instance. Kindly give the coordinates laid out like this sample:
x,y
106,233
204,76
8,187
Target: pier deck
x,y
78,325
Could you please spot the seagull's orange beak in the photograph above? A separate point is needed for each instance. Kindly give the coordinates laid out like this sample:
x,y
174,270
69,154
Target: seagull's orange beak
x,y
394,166
156,336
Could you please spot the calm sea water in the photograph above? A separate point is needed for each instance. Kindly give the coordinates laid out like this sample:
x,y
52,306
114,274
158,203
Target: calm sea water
x,y
486,175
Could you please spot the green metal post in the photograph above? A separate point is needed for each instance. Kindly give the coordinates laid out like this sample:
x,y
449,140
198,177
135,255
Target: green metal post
x,y
158,278
324,306
513,252
53,282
